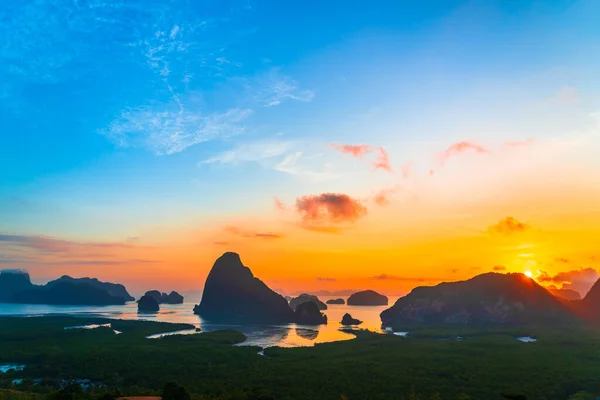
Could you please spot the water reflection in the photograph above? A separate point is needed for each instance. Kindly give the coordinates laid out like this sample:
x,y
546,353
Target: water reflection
x,y
289,335
308,334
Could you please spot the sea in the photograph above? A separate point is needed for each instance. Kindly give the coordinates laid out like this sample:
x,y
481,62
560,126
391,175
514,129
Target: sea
x,y
286,335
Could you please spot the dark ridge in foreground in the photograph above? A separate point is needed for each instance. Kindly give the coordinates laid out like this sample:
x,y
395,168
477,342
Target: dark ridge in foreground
x,y
487,298
233,294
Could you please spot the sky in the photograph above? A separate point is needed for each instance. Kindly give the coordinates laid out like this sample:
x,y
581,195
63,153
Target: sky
x,y
334,145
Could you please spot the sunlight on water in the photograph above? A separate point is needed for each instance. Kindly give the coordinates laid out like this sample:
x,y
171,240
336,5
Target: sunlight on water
x,y
290,335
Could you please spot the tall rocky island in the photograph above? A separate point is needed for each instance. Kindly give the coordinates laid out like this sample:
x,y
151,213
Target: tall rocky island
x,y
233,294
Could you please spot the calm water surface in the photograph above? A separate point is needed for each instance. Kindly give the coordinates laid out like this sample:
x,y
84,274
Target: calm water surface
x,y
290,335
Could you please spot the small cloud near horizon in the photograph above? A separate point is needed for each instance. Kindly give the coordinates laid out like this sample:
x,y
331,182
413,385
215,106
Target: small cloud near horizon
x,y
382,198
253,235
326,279
508,226
499,268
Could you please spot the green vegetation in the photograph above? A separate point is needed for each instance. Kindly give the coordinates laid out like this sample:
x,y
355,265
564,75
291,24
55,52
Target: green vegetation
x,y
557,367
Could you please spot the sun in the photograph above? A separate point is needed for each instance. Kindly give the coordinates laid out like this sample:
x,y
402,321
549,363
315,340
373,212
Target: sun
x,y
529,274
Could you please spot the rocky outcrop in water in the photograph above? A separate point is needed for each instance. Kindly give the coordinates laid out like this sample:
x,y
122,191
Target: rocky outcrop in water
x,y
308,313
113,289
367,298
485,299
336,301
303,298
233,294
163,298
148,304
348,320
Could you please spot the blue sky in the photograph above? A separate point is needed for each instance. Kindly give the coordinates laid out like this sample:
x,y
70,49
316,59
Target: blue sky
x,y
123,116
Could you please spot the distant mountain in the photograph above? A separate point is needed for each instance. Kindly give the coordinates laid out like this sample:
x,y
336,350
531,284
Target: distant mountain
x,y
114,289
12,282
589,306
565,294
324,293
367,298
233,294
163,298
67,293
16,287
336,301
303,298
486,298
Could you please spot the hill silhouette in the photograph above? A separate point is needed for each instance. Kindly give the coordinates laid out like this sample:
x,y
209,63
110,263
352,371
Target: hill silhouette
x,y
486,298
16,287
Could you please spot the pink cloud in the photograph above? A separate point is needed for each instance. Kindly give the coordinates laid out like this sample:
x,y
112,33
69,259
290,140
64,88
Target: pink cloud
x,y
459,148
330,207
508,226
382,198
383,160
358,150
280,205
406,171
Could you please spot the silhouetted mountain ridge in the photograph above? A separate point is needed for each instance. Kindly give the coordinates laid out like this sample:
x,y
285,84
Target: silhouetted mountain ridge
x,y
485,298
16,287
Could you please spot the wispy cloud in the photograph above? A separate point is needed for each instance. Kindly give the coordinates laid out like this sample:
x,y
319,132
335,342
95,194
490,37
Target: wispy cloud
x,y
253,235
326,279
172,128
47,244
284,156
34,250
499,268
382,198
355,150
508,226
279,205
387,277
565,95
273,88
383,160
459,148
360,150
